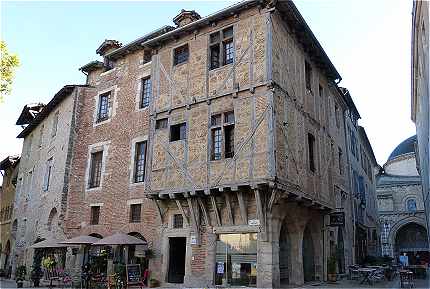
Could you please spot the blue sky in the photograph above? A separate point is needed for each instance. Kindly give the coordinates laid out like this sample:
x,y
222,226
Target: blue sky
x,y
368,42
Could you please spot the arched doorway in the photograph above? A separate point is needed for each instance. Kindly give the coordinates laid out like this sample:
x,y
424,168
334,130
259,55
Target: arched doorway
x,y
284,255
411,239
308,255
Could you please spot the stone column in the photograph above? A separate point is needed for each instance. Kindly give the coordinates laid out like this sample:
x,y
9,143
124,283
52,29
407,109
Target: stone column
x,y
296,272
268,264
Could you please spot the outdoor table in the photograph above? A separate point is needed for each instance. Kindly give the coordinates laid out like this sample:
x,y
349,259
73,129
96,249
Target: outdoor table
x,y
366,272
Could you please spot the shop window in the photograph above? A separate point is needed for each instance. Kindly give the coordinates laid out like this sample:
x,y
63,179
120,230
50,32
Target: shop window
x,y
311,152
180,54
145,93
103,108
178,221
161,123
236,260
222,132
47,177
221,48
178,132
135,213
308,76
95,215
95,169
139,162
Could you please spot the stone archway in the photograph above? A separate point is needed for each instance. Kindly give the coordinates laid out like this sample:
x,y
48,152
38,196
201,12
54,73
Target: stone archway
x,y
52,219
284,255
411,239
308,254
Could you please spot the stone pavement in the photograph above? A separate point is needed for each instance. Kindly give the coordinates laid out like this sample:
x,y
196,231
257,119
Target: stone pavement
x,y
350,284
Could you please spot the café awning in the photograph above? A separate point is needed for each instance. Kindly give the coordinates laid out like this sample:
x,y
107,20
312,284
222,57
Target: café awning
x,y
51,243
120,239
81,240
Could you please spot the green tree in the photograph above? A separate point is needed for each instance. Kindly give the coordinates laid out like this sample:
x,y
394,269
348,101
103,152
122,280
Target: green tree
x,y
9,62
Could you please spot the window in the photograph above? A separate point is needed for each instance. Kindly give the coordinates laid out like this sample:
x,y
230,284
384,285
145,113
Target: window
x,y
336,115
47,177
161,123
222,125
135,213
236,260
139,162
145,95
178,221
95,215
311,152
340,161
103,110
147,55
55,124
180,54
95,169
178,131
321,90
41,136
411,206
221,48
308,76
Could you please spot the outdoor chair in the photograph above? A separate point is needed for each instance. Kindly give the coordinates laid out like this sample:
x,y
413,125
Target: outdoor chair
x,y
353,273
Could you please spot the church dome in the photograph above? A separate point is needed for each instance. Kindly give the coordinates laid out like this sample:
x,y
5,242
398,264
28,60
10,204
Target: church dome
x,y
405,147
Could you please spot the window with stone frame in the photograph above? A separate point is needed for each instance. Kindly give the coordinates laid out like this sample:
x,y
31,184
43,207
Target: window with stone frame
x,y
103,106
47,176
411,206
55,124
340,160
222,135
180,54
308,76
95,215
140,162
178,221
221,48
95,169
145,92
135,213
311,152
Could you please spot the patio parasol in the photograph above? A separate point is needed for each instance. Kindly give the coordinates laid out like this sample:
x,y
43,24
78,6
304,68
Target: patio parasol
x,y
81,240
120,239
51,243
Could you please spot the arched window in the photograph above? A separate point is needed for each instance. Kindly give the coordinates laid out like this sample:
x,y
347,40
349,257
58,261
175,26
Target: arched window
x,y
411,206
14,228
51,218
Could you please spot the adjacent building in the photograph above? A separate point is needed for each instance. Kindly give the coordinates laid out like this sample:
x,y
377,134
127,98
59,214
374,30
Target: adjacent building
x,y
9,170
43,178
401,206
420,96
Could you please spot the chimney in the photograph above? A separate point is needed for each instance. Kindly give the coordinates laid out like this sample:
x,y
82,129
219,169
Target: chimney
x,y
186,17
108,46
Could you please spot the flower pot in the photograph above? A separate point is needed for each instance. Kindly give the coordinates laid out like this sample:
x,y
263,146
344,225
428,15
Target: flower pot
x,y
19,284
36,282
154,283
331,277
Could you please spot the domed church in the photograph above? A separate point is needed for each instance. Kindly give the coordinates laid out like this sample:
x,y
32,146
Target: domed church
x,y
401,207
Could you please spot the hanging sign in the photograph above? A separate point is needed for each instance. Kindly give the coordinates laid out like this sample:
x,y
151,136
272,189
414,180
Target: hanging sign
x,y
220,268
337,219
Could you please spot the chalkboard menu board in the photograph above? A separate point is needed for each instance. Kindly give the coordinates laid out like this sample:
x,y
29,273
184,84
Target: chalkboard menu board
x,y
133,273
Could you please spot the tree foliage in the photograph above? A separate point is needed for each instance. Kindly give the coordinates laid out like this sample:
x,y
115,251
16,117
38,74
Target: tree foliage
x,y
9,62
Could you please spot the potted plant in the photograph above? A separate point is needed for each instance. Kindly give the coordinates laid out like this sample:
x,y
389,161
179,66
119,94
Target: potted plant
x,y
331,268
154,283
21,271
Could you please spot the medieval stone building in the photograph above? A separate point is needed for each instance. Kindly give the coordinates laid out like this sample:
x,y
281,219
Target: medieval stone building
x,y
42,184
420,96
9,170
401,207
